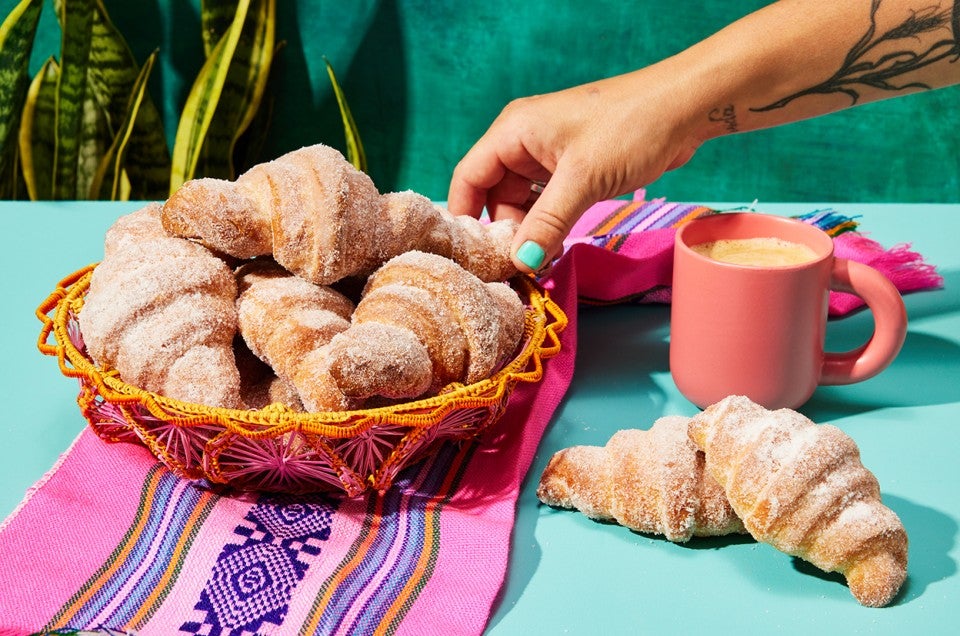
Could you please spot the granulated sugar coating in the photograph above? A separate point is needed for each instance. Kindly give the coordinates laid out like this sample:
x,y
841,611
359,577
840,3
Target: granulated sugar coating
x,y
484,249
801,487
403,306
283,318
324,220
325,214
378,358
422,323
131,229
151,303
220,216
411,221
298,223
476,313
651,481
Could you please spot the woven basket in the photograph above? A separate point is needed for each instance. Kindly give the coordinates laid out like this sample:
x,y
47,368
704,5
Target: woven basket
x,y
277,449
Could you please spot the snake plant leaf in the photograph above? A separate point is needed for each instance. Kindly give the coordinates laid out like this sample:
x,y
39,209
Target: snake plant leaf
x,y
76,22
242,92
108,182
355,152
113,75
216,16
248,149
95,136
202,102
37,142
16,44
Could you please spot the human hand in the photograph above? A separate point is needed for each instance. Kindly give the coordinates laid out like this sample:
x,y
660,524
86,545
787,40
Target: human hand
x,y
587,144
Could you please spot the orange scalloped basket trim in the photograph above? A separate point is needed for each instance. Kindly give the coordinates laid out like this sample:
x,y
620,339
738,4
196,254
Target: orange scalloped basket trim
x,y
275,448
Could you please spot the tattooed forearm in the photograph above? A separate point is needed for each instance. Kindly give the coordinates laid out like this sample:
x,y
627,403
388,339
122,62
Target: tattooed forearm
x,y
879,60
727,115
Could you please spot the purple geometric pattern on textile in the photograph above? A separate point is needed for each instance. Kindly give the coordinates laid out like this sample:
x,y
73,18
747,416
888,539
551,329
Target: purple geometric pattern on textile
x,y
252,582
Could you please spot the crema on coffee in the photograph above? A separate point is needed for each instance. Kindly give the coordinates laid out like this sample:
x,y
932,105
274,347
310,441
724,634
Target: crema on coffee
x,y
757,252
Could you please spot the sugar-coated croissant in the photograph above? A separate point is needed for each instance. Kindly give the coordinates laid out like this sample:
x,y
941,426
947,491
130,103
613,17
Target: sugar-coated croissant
x,y
285,320
324,220
128,231
160,310
801,487
422,322
651,481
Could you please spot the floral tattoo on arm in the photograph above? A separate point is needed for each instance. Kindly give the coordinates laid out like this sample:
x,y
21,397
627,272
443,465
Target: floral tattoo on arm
x,y
865,66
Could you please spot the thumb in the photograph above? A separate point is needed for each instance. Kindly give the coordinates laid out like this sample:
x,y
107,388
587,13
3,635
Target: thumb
x,y
542,231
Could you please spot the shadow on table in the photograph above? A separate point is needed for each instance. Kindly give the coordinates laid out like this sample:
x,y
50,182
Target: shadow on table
x,y
619,348
923,374
931,534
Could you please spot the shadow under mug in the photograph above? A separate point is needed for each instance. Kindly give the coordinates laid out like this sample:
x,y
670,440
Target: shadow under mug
x,y
759,331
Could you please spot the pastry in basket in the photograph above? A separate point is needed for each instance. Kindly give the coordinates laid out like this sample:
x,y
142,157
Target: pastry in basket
x,y
160,310
651,481
414,222
422,322
285,321
130,229
801,487
324,220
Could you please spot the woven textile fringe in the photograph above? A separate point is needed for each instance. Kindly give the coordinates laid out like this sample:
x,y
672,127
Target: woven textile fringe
x,y
640,232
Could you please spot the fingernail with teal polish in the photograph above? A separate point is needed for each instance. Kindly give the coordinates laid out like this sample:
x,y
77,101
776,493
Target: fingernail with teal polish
x,y
531,255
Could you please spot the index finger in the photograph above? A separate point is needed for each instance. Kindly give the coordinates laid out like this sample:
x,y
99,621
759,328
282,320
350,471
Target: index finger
x,y
478,171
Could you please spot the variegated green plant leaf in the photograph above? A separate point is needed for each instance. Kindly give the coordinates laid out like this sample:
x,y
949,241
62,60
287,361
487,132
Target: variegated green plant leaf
x,y
202,102
216,16
37,128
76,22
95,136
108,181
247,151
355,152
112,75
16,43
242,91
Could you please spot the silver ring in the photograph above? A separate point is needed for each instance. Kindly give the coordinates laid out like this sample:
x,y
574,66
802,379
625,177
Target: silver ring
x,y
537,186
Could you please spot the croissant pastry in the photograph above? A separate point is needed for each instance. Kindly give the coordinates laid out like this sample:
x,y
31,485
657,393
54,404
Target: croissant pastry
x,y
324,220
284,320
260,386
650,481
160,310
130,229
422,323
801,487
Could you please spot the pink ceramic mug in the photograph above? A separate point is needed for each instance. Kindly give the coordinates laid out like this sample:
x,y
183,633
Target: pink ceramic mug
x,y
759,331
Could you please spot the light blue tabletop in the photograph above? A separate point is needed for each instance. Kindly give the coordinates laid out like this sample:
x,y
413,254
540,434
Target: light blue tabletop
x,y
570,575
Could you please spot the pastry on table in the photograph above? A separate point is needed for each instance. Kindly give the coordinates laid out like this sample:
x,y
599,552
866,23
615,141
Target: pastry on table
x,y
652,481
802,488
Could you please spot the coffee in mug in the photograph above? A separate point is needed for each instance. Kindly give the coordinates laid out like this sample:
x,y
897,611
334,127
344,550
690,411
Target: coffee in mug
x,y
764,251
758,329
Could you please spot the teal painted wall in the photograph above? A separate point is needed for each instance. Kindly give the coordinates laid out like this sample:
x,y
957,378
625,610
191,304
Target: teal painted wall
x,y
425,78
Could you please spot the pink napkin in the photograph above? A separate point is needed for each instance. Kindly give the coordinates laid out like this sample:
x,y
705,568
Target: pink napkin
x,y
624,252
111,540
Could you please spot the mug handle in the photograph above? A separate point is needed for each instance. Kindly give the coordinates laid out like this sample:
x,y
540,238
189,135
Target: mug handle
x,y
890,324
